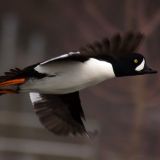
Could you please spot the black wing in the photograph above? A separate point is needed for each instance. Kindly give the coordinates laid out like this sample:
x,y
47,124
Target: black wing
x,y
60,114
117,46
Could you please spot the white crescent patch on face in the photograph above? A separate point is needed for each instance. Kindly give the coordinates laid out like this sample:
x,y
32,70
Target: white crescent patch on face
x,y
141,66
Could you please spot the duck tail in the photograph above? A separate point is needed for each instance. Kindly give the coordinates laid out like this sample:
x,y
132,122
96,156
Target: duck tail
x,y
11,79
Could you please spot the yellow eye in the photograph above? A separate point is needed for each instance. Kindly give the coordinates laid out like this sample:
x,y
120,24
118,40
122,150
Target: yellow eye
x,y
135,60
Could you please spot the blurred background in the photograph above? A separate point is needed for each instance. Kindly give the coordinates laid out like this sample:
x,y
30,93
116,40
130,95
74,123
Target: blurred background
x,y
125,110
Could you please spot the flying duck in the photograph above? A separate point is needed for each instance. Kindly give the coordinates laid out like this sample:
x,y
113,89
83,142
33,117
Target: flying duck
x,y
54,85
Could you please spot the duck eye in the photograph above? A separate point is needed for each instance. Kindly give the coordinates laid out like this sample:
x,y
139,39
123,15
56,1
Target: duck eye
x,y
135,61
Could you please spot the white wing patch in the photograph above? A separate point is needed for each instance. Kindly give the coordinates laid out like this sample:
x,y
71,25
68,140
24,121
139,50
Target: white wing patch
x,y
35,97
141,66
52,59
60,57
41,68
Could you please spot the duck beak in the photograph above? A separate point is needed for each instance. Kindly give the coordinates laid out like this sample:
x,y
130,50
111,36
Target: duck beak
x,y
148,70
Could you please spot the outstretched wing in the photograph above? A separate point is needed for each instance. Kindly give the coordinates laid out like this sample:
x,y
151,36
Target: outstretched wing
x,y
60,114
117,46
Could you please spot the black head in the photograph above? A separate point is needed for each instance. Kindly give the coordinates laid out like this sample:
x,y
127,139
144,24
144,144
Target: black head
x,y
131,65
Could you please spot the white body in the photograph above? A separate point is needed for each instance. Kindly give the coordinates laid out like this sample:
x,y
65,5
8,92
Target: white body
x,y
69,76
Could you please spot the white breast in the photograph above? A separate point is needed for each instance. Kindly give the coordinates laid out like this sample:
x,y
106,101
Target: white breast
x,y
71,76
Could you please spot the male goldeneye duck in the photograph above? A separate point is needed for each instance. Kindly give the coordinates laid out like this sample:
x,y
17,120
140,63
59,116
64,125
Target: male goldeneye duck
x,y
54,85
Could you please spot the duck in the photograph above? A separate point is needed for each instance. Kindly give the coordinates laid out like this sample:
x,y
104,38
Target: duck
x,y
54,85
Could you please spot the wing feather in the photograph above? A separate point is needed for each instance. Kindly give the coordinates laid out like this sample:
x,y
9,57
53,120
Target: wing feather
x,y
60,114
117,46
